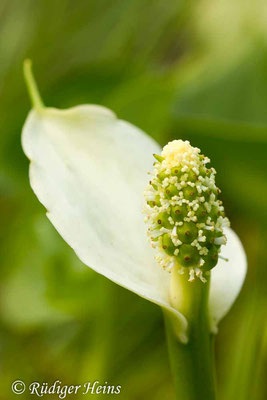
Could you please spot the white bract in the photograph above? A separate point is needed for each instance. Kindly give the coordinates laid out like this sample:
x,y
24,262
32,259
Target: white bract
x,y
89,170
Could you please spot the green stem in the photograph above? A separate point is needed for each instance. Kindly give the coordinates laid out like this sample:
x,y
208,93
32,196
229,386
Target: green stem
x,y
32,86
192,363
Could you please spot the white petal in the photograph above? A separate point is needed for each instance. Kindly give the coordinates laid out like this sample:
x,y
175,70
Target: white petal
x,y
89,170
227,278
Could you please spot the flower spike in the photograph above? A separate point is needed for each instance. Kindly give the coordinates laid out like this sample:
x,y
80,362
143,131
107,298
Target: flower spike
x,y
185,218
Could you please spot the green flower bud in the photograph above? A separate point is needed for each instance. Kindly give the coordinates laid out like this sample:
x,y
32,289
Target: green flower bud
x,y
188,256
215,213
167,244
178,213
162,175
156,202
213,237
175,171
190,193
192,176
188,232
162,220
201,213
211,259
171,190
210,236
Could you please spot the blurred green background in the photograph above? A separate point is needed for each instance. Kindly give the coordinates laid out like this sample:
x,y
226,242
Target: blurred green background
x,y
177,69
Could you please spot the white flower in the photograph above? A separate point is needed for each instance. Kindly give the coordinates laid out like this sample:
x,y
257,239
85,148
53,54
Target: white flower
x,y
89,170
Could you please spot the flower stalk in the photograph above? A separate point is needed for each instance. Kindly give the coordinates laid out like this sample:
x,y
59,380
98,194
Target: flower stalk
x,y
192,363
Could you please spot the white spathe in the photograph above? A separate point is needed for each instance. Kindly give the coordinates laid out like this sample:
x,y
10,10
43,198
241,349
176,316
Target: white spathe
x,y
89,170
